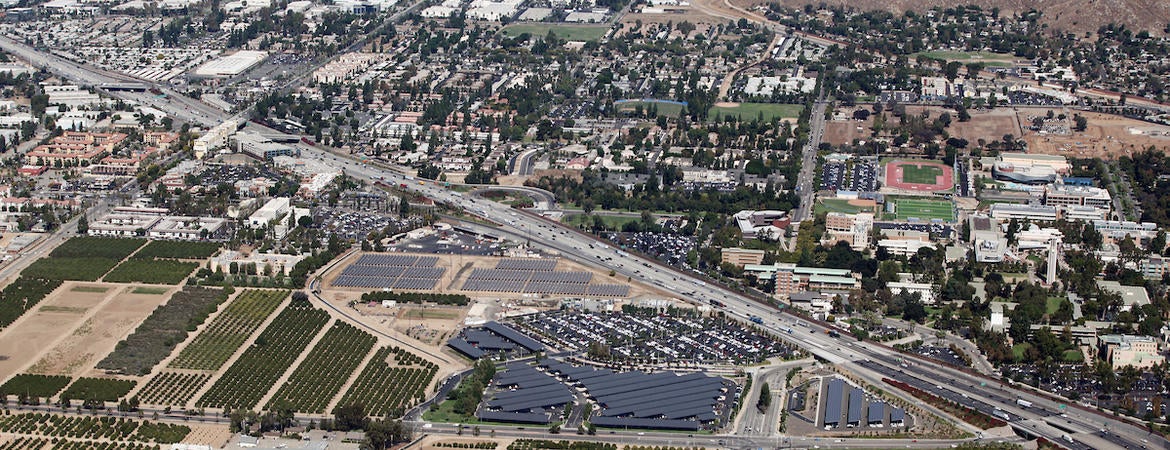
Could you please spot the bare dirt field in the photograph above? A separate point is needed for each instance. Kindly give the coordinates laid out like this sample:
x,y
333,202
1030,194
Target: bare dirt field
x,y
839,132
214,435
1078,16
107,324
39,330
1105,136
989,125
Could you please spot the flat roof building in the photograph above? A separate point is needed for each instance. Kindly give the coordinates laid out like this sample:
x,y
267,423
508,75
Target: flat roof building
x,y
742,256
1064,195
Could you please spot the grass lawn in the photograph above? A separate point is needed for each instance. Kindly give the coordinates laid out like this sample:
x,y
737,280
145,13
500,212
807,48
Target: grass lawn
x,y
1073,356
988,59
429,314
922,209
95,289
614,222
150,290
839,205
1053,304
921,174
752,111
445,412
563,31
1019,349
668,109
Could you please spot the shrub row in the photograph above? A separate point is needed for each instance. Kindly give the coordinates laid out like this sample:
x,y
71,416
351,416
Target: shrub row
x,y
417,297
262,364
165,328
326,368
230,329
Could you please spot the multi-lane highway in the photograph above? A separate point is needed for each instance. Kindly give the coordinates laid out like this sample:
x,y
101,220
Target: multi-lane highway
x,y
1055,420
1045,417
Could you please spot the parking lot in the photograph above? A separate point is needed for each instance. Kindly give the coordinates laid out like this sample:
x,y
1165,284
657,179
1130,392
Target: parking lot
x,y
940,230
447,243
860,176
644,334
350,224
670,248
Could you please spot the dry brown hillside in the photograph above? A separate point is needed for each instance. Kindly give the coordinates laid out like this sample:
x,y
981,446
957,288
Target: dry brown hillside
x,y
1072,15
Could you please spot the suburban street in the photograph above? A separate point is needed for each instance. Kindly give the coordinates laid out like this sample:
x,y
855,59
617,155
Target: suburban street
x,y
808,162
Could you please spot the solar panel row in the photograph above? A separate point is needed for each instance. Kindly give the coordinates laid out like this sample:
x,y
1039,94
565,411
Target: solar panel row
x,y
379,259
833,399
527,264
856,405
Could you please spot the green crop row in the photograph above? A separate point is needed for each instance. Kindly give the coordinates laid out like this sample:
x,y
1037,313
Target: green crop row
x,y
230,329
326,368
260,366
387,389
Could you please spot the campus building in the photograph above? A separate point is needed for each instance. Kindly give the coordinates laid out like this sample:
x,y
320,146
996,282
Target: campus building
x,y
1064,195
742,256
854,229
1128,350
791,278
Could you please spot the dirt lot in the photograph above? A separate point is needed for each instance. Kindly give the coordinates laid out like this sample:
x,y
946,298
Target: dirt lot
x,y
987,125
39,330
838,132
108,323
1106,136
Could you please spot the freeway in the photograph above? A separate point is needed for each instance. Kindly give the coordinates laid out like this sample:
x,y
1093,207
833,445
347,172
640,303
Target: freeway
x,y
1044,417
1048,418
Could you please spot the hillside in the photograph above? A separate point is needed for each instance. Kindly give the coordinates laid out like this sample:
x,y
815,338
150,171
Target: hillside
x,y
1077,16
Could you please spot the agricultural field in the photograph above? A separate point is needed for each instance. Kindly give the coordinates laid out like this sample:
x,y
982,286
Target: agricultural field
x,y
178,250
260,366
34,385
82,258
753,111
326,368
22,295
163,330
230,329
69,268
108,323
97,247
103,389
391,382
151,271
172,388
84,427
921,209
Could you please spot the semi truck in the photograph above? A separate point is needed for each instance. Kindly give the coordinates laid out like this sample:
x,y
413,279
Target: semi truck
x,y
1023,403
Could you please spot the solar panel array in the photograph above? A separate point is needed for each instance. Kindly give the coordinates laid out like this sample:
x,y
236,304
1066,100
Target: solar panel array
x,y
534,276
384,271
543,265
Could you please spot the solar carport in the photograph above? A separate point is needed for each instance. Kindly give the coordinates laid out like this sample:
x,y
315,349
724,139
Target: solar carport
x,y
526,396
663,400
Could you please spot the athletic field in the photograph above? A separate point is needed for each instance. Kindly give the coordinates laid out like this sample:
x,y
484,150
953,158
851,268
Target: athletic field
x,y
921,174
917,208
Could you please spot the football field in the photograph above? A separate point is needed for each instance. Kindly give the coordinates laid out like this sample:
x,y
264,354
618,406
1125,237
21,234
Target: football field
x,y
921,209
